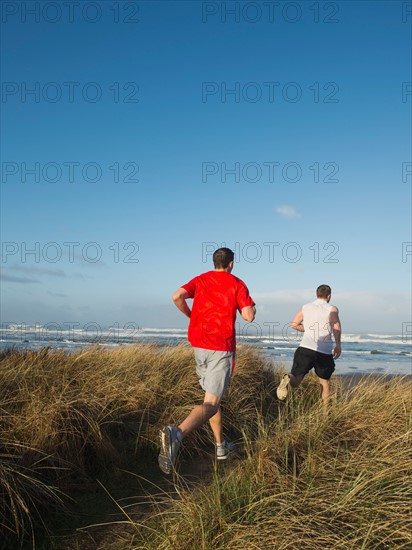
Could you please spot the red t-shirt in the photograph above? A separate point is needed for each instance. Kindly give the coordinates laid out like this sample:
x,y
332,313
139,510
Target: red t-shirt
x,y
217,296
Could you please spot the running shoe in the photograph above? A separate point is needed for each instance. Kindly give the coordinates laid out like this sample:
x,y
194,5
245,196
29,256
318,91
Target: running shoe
x,y
169,447
224,450
282,390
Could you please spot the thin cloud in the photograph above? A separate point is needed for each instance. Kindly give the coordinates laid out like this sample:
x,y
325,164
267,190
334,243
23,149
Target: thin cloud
x,y
82,261
5,277
78,275
38,270
57,295
288,212
285,296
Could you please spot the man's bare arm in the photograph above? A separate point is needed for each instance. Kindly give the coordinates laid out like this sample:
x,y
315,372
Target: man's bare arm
x,y
337,331
179,298
297,321
248,313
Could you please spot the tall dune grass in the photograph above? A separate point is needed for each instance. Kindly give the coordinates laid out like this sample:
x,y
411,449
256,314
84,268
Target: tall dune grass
x,y
302,478
67,418
310,480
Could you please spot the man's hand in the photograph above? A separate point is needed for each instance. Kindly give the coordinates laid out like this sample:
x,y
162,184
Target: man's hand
x,y
337,351
337,331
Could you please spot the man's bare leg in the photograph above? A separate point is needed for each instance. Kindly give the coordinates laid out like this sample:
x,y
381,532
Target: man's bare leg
x,y
201,414
217,426
171,437
325,390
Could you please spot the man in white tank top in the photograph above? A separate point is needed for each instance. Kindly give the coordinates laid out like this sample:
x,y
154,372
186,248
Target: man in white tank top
x,y
318,321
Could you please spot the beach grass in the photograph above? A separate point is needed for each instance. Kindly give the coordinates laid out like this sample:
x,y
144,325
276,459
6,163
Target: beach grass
x,y
302,477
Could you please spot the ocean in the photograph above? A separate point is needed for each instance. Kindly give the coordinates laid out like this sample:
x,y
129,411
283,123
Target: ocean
x,y
361,353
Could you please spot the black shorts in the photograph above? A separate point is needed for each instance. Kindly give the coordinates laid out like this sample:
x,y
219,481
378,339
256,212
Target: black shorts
x,y
305,359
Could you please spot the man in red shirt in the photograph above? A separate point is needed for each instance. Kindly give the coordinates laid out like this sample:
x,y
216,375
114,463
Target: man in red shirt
x,y
217,297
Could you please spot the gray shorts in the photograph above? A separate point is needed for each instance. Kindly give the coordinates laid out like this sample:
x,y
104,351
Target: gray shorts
x,y
214,369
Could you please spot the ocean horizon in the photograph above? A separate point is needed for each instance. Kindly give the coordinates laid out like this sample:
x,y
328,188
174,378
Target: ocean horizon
x,y
362,353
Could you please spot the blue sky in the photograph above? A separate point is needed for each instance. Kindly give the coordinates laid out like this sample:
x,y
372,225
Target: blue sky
x,y
128,161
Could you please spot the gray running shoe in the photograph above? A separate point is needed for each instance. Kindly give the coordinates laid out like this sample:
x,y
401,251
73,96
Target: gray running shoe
x,y
169,447
282,391
224,450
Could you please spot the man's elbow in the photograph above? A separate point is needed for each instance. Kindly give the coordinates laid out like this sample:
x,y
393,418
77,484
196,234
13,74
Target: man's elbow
x,y
249,314
176,296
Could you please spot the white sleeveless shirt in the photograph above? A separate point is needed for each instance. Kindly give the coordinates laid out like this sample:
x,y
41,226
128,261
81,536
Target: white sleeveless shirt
x,y
318,327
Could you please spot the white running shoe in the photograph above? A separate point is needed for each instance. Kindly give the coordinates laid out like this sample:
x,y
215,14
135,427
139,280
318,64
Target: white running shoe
x,y
169,447
224,450
282,390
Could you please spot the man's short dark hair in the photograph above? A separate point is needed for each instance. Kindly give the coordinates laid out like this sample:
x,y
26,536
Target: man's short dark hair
x,y
323,291
222,258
